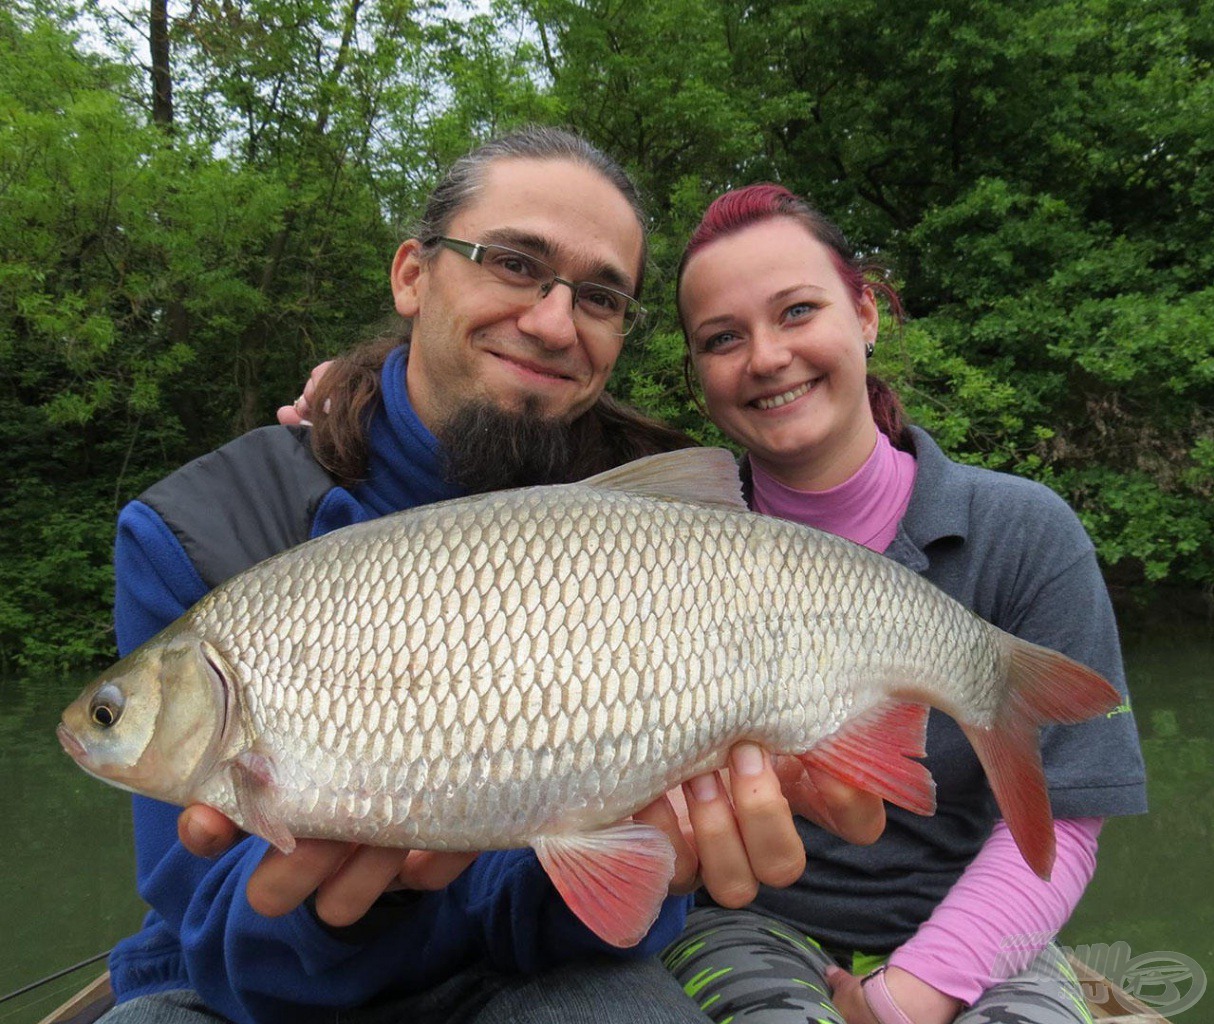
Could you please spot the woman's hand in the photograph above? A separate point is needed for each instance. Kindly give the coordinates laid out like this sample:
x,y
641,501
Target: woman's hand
x,y
922,1003
346,878
852,814
737,826
299,413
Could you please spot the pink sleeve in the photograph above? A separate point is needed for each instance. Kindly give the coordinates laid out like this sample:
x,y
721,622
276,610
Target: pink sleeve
x,y
999,915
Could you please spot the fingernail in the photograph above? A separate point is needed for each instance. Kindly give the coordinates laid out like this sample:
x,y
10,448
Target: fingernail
x,y
747,759
704,787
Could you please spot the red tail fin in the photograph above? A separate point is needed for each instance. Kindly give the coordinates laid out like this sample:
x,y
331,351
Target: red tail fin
x,y
1043,687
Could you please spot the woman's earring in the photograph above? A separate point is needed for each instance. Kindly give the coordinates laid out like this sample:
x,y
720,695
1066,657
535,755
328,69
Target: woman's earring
x,y
868,350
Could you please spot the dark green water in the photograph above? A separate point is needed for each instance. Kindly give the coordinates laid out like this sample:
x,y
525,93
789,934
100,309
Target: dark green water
x,y
68,888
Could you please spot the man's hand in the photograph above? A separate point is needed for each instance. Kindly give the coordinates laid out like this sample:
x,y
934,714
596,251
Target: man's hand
x,y
299,413
347,878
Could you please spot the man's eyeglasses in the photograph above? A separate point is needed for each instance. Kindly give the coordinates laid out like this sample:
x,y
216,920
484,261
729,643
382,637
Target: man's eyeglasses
x,y
604,307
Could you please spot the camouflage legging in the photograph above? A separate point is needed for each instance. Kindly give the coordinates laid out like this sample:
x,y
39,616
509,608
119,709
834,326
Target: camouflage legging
x,y
743,967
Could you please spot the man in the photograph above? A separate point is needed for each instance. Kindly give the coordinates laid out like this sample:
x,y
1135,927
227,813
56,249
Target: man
x,y
519,287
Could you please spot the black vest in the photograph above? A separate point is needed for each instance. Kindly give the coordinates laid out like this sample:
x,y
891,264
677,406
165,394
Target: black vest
x,y
242,503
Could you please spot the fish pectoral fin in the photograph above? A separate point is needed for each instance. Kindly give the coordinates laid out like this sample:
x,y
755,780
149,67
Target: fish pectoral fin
x,y
614,880
874,752
705,475
254,780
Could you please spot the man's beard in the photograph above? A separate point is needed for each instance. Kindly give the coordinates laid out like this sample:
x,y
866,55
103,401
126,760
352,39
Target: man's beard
x,y
490,449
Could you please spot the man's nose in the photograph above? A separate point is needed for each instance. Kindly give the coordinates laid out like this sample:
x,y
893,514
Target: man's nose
x,y
550,318
769,353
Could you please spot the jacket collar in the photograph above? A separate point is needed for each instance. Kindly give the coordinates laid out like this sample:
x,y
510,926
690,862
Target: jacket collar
x,y
939,507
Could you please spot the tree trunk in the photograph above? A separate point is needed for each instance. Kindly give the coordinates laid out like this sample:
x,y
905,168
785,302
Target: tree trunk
x,y
162,80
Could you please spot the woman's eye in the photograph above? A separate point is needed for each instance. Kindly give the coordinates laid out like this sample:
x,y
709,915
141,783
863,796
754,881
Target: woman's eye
x,y
718,341
799,310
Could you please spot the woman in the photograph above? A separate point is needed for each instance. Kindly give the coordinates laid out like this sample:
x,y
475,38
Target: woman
x,y
780,322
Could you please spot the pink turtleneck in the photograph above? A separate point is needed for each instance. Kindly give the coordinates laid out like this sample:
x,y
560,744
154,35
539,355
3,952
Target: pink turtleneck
x,y
997,915
865,508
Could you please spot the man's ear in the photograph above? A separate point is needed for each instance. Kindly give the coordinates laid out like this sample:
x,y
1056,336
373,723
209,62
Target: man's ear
x,y
408,278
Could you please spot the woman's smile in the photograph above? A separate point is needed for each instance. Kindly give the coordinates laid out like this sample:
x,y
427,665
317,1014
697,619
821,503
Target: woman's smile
x,y
784,397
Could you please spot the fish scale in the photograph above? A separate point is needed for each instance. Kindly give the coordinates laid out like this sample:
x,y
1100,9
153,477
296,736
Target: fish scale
x,y
532,666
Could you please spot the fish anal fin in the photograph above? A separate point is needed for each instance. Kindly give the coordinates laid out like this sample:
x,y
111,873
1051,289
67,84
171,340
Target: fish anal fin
x,y
613,880
874,752
254,782
705,475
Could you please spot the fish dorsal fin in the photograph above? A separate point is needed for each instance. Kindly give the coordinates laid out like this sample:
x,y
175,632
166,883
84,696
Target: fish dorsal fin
x,y
705,475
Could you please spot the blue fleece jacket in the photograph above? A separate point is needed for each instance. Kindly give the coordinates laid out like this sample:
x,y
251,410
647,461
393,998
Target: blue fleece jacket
x,y
201,932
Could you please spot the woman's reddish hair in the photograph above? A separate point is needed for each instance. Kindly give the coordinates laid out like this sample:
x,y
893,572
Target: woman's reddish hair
x,y
744,207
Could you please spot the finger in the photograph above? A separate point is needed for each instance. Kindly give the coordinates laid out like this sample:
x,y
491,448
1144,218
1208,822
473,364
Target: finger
x,y
204,831
283,881
678,801
660,814
359,881
289,416
724,864
432,869
848,997
777,855
836,975
850,813
858,815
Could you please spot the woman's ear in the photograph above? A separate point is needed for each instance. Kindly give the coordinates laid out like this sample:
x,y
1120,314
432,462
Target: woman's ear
x,y
408,278
870,318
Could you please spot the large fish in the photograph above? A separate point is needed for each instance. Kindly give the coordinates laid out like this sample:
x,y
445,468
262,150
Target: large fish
x,y
529,667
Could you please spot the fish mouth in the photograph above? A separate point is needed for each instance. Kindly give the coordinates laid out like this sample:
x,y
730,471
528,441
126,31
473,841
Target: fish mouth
x,y
784,397
73,747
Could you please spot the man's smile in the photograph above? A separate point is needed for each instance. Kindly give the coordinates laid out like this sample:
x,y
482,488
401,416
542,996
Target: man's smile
x,y
532,369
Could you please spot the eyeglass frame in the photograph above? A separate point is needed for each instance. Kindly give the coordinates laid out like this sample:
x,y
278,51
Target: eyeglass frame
x,y
475,251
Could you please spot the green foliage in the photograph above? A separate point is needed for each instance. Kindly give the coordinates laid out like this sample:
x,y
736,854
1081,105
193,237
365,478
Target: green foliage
x,y
1039,177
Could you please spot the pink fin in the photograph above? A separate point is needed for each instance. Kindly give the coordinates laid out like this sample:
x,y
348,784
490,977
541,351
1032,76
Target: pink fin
x,y
873,752
1042,686
254,779
614,879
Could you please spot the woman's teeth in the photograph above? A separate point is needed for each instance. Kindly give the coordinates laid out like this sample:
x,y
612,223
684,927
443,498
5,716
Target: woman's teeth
x,y
784,399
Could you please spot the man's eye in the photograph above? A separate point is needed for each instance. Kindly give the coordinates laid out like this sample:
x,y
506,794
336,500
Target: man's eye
x,y
514,265
601,301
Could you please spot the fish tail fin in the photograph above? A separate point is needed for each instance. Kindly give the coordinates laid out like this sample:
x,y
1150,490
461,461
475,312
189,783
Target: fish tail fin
x,y
874,752
1043,687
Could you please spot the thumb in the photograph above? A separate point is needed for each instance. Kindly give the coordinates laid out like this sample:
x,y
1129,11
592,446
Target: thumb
x,y
835,976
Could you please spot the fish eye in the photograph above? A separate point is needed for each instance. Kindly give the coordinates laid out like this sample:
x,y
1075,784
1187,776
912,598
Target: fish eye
x,y
106,706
